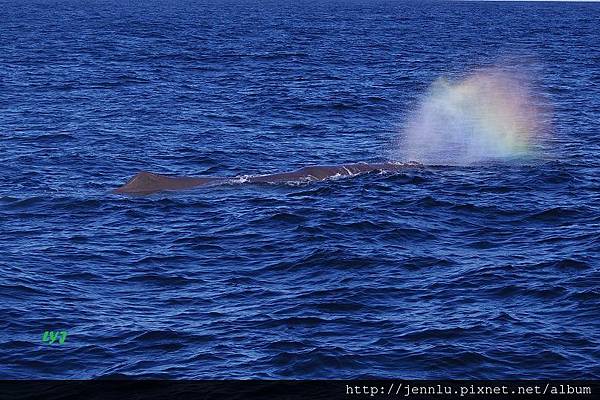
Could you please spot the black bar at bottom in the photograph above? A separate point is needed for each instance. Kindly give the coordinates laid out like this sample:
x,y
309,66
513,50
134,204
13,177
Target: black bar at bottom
x,y
292,390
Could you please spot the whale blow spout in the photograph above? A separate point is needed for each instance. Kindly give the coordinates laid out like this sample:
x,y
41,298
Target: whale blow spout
x,y
145,183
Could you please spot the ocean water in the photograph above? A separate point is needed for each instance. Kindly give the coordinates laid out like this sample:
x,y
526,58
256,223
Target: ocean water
x,y
484,269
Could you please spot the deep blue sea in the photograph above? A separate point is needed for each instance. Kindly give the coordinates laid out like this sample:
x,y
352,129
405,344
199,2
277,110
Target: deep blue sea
x,y
483,270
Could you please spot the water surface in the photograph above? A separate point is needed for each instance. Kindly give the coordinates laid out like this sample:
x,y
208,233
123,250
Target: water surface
x,y
488,270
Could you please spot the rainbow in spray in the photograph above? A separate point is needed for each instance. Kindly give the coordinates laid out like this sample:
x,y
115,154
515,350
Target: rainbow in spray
x,y
490,115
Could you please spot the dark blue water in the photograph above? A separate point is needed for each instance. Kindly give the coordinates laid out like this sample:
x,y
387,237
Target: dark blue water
x,y
476,271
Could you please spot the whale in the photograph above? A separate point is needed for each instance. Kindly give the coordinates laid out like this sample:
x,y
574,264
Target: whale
x,y
145,183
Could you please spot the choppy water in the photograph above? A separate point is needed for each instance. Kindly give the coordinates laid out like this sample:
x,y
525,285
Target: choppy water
x,y
479,271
